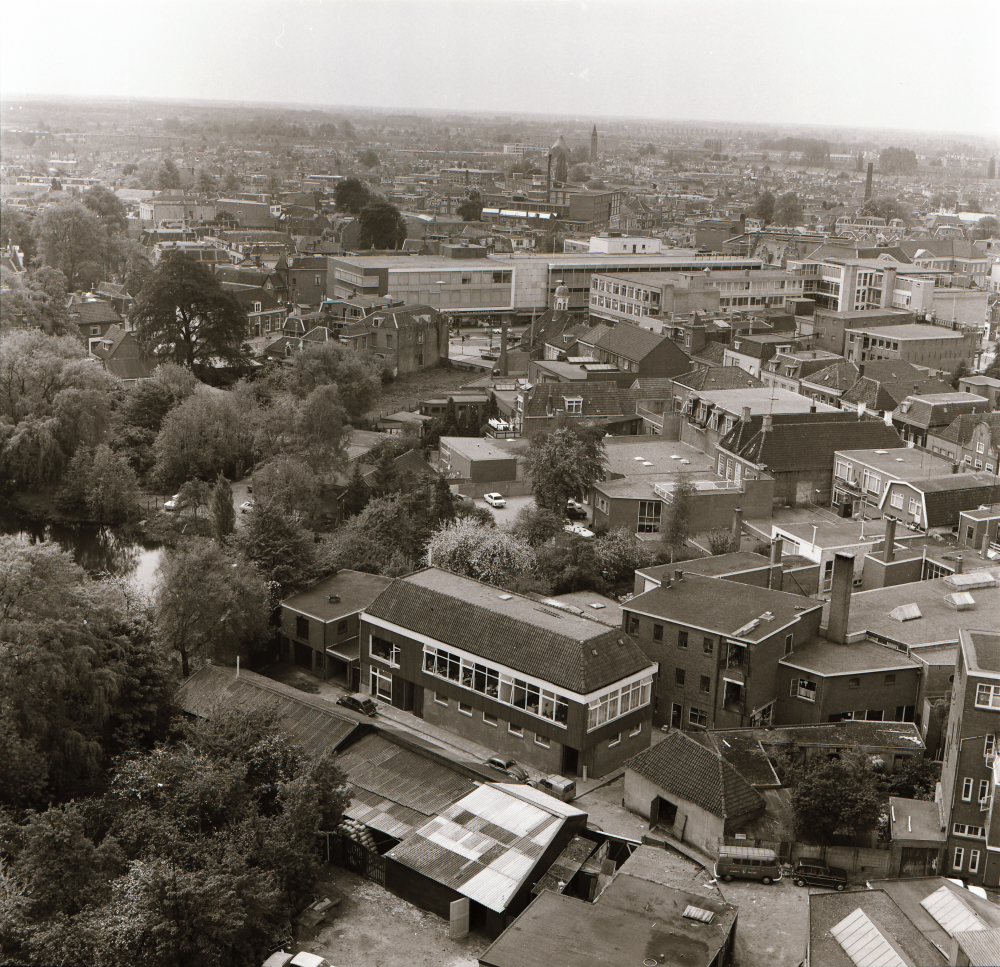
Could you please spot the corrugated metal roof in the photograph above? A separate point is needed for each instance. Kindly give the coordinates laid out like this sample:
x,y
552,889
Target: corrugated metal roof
x,y
982,947
485,845
865,944
948,909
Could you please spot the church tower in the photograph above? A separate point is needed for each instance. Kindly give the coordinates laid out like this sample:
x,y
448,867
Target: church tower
x,y
593,146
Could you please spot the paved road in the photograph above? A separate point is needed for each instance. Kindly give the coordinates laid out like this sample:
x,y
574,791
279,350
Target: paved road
x,y
506,515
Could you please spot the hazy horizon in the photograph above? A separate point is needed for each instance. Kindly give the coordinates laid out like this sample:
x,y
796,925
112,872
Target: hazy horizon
x,y
896,66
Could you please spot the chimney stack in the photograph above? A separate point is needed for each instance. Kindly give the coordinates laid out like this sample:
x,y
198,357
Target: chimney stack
x,y
776,546
840,598
678,575
737,523
889,552
959,565
766,424
745,414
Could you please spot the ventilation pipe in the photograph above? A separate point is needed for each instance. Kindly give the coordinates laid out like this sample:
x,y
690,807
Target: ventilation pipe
x,y
678,575
776,575
840,598
959,564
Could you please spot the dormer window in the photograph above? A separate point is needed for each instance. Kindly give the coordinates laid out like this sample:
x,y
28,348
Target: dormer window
x,y
574,404
256,307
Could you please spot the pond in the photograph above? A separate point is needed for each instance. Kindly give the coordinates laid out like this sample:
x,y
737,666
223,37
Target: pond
x,y
97,548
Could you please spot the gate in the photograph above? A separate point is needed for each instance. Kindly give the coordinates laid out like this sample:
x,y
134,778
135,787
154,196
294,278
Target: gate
x,y
357,859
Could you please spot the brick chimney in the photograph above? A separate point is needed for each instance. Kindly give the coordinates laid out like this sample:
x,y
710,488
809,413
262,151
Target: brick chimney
x,y
737,523
959,565
776,576
840,598
889,551
745,414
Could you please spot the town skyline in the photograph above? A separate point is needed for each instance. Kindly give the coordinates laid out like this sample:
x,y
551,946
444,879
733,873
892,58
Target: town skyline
x,y
722,62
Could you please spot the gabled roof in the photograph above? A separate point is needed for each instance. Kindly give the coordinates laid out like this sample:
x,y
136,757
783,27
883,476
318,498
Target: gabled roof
x,y
92,312
601,398
718,377
681,766
404,317
805,441
570,651
711,354
960,429
839,376
938,409
635,343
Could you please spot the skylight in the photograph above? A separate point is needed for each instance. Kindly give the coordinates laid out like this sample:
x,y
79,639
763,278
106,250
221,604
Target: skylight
x,y
906,612
697,913
945,906
865,943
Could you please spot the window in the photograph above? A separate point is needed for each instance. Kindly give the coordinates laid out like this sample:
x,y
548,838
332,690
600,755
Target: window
x,y
615,740
697,716
854,683
708,644
636,731
679,676
967,789
828,575
490,719
649,517
974,861
705,684
384,650
341,627
633,625
657,632
257,307
95,330
682,639
803,688
515,729
465,709
789,642
440,699
896,500
959,858
676,715
984,790
381,684
913,506
988,696
980,448
574,404
542,740
302,628
989,746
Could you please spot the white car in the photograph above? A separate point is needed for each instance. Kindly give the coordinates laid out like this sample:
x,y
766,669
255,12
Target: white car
x,y
246,506
495,500
173,504
579,530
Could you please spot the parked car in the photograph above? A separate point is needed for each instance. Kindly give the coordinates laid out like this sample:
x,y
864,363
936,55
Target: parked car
x,y
174,503
495,500
747,863
358,703
575,510
509,767
579,530
246,506
817,873
559,786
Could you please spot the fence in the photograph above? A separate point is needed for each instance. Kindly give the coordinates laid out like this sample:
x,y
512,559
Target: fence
x,y
344,851
855,859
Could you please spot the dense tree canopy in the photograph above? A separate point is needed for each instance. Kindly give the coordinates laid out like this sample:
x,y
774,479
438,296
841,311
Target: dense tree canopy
x,y
108,207
564,464
357,377
382,226
837,796
484,553
351,195
897,161
71,238
788,210
183,315
764,208
887,208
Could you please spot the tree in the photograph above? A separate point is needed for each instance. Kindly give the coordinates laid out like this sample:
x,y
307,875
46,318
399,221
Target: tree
x,y
564,464
619,554
222,510
536,525
675,527
351,195
108,207
194,494
15,229
183,315
897,161
231,182
369,158
207,182
788,210
837,796
101,484
289,483
381,226
167,177
357,376
764,208
321,429
721,541
470,211
71,238
209,603
278,545
357,494
484,553
887,208
988,227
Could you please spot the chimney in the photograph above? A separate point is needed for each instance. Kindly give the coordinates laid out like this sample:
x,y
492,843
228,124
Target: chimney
x,y
812,407
745,415
776,575
737,523
766,425
889,552
861,370
868,181
959,565
503,347
840,598
678,575
776,545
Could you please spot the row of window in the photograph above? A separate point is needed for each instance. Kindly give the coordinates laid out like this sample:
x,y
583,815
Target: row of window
x,y
967,787
619,702
698,717
489,719
496,684
959,859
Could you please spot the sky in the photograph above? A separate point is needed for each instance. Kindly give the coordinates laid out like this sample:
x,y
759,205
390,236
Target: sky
x,y
901,64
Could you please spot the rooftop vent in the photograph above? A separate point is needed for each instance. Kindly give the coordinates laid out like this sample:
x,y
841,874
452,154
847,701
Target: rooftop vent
x,y
334,598
960,601
596,605
505,597
906,612
881,451
697,913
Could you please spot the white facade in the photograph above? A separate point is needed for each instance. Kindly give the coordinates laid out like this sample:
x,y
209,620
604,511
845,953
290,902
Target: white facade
x,y
624,245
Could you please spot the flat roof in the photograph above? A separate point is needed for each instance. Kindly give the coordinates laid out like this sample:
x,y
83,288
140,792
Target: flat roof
x,y
475,448
938,623
767,399
982,648
699,602
829,659
907,331
355,589
915,819
629,455
829,534
905,463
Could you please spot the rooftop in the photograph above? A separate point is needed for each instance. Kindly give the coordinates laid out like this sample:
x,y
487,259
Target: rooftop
x,y
915,819
651,456
769,399
907,463
821,657
475,448
982,648
355,590
744,612
907,332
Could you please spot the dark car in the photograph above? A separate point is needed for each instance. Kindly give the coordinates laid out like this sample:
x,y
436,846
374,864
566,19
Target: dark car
x,y
509,767
575,510
817,873
358,703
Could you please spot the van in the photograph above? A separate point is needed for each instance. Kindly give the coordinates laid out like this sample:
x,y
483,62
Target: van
x,y
558,786
747,863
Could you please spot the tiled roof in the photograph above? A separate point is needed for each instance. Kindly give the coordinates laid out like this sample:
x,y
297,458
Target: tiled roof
x,y
635,343
600,398
960,429
681,766
402,318
946,497
840,376
711,354
591,335
743,752
568,650
925,410
92,313
653,388
807,441
719,377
